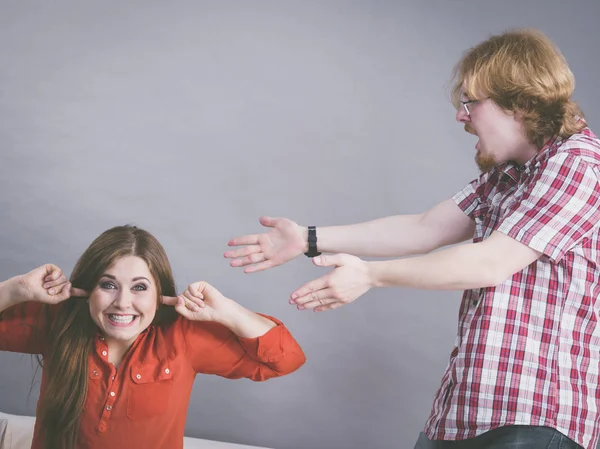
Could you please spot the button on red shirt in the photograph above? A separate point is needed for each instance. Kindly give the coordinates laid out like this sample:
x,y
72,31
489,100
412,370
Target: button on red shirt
x,y
144,403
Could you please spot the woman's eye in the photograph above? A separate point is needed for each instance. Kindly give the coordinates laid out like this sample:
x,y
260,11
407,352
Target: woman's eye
x,y
139,287
107,285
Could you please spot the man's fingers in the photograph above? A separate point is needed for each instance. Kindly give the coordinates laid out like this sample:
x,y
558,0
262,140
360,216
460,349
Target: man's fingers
x,y
242,252
315,298
244,240
267,221
259,266
252,258
312,286
330,306
237,263
314,303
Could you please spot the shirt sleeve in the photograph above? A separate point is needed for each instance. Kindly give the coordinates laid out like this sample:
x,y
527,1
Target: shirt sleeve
x,y
469,199
23,328
559,207
214,349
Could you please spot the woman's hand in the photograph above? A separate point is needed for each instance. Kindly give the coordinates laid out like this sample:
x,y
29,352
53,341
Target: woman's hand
x,y
202,302
46,284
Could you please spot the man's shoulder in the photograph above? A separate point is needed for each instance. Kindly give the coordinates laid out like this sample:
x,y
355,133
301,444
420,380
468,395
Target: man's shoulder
x,y
583,145
579,150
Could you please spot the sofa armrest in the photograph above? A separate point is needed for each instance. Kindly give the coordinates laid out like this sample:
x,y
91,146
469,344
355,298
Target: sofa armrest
x,y
199,443
18,432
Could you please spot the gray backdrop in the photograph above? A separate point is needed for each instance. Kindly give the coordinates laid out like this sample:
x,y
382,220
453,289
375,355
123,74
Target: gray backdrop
x,y
192,118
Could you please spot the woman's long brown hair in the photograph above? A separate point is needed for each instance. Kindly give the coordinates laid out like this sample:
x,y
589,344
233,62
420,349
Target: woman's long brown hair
x,y
72,330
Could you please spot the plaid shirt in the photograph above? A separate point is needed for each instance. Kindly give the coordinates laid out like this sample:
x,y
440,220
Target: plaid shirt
x,y
528,350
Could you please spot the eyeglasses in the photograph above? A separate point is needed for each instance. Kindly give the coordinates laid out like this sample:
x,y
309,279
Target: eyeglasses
x,y
466,103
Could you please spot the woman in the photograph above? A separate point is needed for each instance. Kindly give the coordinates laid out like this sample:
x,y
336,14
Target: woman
x,y
118,367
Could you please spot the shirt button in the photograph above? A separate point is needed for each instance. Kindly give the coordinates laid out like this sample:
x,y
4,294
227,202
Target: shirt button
x,y
167,371
112,378
138,376
104,353
95,372
109,408
101,338
112,393
474,302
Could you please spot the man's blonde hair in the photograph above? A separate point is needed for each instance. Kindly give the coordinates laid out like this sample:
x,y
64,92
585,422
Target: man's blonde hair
x,y
525,73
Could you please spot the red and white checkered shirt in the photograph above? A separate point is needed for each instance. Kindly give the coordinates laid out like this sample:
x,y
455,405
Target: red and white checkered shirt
x,y
528,350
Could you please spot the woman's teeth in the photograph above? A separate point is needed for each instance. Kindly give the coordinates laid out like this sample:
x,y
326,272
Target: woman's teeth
x,y
121,319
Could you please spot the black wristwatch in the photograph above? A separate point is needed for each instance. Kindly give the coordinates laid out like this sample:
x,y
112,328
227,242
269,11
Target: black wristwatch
x,y
312,242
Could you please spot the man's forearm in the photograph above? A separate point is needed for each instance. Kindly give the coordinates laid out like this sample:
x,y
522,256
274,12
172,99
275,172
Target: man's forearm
x,y
458,268
400,235
395,236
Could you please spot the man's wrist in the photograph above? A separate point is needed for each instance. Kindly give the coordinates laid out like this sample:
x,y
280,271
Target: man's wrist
x,y
304,239
374,271
313,250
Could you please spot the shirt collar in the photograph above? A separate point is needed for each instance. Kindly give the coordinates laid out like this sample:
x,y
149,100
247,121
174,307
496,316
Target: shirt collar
x,y
514,170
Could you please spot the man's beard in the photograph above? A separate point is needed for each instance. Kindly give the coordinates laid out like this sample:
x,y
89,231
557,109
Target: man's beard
x,y
485,163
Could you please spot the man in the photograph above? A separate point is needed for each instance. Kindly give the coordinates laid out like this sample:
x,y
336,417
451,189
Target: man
x,y
524,368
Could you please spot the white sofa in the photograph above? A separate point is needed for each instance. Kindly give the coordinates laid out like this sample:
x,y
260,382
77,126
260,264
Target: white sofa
x,y
16,432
